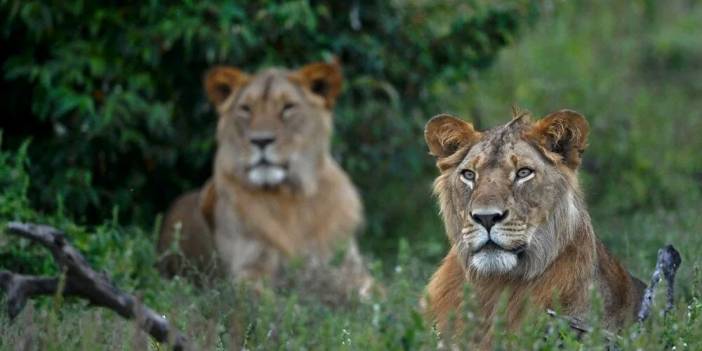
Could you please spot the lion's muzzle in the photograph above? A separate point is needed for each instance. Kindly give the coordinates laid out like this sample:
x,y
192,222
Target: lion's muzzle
x,y
265,167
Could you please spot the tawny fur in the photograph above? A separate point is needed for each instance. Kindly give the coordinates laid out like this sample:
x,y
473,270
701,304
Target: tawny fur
x,y
563,259
299,203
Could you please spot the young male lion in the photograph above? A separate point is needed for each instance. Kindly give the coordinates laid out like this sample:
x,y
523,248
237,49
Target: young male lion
x,y
276,192
517,223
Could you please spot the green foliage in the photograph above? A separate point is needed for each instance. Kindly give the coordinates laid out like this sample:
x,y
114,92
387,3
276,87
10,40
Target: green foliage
x,y
114,90
225,317
110,100
127,252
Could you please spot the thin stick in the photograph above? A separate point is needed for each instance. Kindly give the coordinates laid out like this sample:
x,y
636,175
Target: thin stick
x,y
579,327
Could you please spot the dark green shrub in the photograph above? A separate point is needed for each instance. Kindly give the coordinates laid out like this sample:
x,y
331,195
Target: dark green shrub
x,y
110,94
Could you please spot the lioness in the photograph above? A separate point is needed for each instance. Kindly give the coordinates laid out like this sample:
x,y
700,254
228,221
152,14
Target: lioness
x,y
517,223
276,192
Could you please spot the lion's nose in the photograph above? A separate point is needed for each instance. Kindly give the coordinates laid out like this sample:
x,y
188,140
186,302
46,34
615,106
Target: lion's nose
x,y
262,141
488,218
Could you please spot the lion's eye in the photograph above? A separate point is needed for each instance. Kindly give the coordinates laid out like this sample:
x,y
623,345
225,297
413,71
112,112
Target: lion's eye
x,y
287,109
244,112
524,172
468,175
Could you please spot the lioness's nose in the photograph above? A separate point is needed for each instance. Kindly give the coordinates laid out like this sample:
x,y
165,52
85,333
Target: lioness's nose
x,y
262,141
488,218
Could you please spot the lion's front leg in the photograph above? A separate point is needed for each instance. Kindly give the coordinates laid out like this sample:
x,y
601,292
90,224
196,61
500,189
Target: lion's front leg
x,y
242,256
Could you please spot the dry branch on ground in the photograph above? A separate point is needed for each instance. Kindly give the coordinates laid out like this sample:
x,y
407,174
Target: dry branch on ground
x,y
82,281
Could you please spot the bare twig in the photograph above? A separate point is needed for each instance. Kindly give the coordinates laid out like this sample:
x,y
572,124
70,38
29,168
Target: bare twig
x,y
81,281
579,326
667,265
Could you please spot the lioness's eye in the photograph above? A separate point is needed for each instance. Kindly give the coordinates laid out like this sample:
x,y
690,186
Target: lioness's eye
x,y
245,108
287,108
524,172
468,175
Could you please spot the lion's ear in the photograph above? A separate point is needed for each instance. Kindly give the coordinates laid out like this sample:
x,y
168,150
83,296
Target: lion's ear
x,y
563,133
322,79
223,81
445,134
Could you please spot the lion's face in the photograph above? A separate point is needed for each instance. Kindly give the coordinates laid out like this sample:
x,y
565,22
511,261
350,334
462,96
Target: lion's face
x,y
507,194
274,127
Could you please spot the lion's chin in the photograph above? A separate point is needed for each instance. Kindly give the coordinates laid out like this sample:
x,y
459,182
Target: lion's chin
x,y
493,261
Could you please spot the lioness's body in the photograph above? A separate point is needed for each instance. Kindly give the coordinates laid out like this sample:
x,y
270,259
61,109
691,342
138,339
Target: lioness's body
x,y
276,192
518,226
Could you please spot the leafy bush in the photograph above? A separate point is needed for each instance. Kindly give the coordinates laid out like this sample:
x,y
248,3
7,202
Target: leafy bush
x,y
630,67
126,251
110,94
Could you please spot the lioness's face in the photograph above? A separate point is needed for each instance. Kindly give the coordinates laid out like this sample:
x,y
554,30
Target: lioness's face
x,y
503,190
274,127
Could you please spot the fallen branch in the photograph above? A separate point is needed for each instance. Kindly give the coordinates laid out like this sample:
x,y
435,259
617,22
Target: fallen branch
x,y
667,265
80,281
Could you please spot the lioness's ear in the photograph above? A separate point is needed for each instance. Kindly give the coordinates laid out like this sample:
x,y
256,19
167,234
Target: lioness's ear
x,y
321,78
446,134
223,81
563,133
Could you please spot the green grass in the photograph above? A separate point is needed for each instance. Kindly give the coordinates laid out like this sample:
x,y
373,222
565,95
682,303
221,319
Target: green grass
x,y
231,317
630,67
